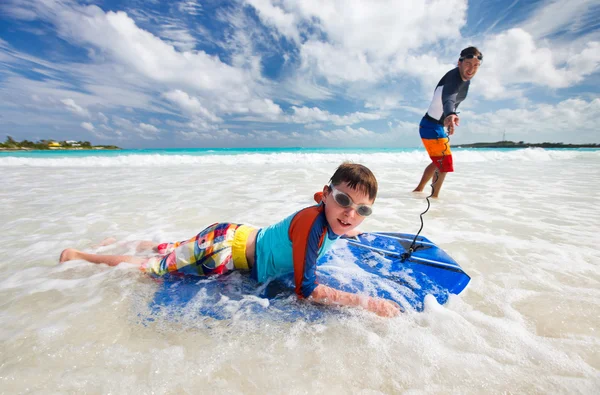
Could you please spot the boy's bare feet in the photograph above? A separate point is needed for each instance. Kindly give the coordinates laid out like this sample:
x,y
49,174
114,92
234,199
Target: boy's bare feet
x,y
105,242
108,241
68,255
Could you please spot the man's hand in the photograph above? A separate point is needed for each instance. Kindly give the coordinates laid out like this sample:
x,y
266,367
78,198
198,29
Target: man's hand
x,y
450,122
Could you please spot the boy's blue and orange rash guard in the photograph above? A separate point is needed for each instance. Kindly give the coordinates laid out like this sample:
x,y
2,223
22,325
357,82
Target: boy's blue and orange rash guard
x,y
294,245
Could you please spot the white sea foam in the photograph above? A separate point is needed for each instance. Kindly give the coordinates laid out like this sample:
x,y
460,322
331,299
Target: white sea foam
x,y
522,223
286,158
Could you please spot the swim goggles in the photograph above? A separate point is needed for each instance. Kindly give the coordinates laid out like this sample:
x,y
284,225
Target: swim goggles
x,y
479,57
346,201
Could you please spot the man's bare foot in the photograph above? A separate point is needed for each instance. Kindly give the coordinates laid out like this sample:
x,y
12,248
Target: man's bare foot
x,y
417,190
68,255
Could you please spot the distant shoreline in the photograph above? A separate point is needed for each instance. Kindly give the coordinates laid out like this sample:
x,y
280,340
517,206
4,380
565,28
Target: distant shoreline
x,y
97,148
520,144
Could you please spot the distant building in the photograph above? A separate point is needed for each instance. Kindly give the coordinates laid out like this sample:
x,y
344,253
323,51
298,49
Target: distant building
x,y
54,144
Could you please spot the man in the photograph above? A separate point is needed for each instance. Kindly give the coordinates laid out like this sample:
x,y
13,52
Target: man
x,y
449,93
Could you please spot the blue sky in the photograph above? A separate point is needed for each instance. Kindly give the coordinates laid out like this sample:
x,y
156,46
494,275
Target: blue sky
x,y
310,73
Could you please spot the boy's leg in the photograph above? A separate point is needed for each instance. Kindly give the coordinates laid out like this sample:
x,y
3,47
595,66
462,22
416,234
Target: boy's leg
x,y
112,260
140,246
146,245
106,242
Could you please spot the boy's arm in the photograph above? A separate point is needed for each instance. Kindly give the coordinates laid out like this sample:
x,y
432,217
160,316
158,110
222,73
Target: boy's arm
x,y
330,296
307,231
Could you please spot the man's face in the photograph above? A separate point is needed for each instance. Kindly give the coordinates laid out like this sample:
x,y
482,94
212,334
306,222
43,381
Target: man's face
x,y
468,68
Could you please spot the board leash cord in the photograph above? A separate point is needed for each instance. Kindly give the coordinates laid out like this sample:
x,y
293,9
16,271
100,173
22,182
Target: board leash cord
x,y
413,247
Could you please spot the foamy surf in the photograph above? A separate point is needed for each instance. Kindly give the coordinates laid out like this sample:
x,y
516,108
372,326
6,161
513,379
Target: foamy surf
x,y
522,223
203,157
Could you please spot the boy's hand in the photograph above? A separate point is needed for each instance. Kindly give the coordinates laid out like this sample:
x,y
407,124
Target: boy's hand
x,y
384,307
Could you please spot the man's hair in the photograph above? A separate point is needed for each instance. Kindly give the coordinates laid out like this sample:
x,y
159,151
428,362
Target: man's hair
x,y
357,177
470,51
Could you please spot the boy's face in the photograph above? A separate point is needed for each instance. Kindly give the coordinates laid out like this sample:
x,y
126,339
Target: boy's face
x,y
344,219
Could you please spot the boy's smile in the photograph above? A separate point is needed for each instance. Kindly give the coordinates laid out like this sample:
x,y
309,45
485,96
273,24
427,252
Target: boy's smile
x,y
344,219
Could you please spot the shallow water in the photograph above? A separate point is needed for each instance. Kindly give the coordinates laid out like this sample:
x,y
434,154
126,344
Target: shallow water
x,y
522,223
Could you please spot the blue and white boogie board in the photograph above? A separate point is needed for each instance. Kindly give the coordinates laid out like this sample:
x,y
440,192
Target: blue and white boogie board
x,y
370,264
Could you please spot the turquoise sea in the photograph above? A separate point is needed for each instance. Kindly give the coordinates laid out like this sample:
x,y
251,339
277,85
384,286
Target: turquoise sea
x,y
197,151
242,151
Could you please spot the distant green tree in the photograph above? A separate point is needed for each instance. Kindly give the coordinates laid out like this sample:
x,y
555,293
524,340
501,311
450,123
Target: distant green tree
x,y
10,142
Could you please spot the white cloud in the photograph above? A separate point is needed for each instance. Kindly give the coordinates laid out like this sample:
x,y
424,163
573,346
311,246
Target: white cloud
x,y
558,15
275,16
18,12
87,126
194,135
118,36
103,118
572,120
140,129
348,133
179,37
268,137
338,64
148,128
191,105
221,135
122,122
74,108
191,7
584,62
384,101
314,114
362,36
514,58
264,107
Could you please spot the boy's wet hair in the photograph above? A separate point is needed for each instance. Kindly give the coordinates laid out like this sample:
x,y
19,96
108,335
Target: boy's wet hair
x,y
357,177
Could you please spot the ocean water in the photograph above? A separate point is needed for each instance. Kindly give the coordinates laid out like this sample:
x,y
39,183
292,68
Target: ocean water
x,y
523,224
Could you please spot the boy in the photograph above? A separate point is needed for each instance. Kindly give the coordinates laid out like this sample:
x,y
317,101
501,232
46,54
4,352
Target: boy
x,y
292,245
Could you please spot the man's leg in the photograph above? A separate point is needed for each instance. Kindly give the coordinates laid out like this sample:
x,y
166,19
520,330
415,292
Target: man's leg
x,y
437,185
427,174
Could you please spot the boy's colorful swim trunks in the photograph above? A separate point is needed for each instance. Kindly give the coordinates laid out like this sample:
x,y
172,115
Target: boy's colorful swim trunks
x,y
216,250
436,143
